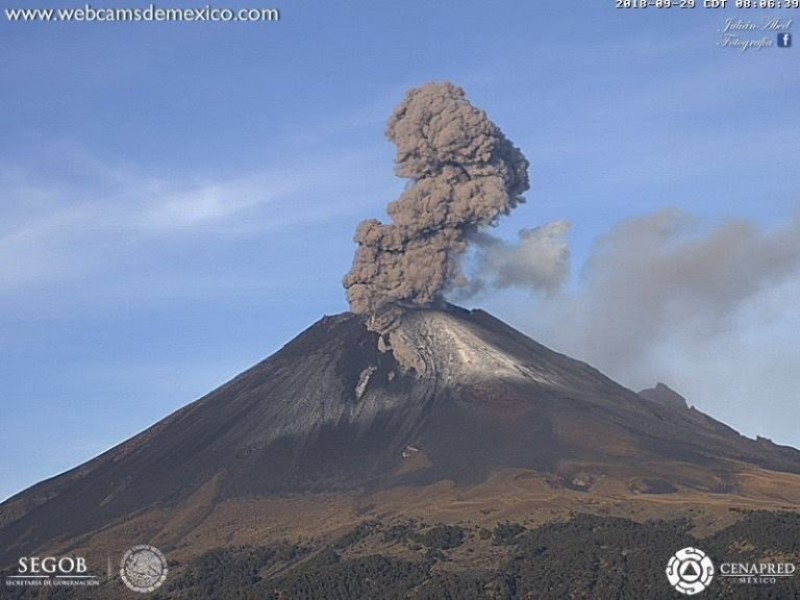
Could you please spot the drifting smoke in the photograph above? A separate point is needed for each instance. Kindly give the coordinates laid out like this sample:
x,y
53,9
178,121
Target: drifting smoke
x,y
539,261
463,174
654,276
714,313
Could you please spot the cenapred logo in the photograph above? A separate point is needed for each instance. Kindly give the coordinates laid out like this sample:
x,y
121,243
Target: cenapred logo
x,y
143,568
690,571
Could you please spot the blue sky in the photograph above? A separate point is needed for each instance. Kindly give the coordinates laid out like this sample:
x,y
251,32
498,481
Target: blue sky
x,y
178,200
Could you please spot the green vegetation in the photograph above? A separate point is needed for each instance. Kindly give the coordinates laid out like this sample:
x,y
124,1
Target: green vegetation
x,y
586,557
442,537
506,533
361,532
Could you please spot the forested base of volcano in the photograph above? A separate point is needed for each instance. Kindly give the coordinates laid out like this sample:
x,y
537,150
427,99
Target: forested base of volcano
x,y
586,557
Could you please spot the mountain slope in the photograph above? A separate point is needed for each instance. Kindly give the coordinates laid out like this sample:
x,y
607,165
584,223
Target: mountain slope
x,y
449,394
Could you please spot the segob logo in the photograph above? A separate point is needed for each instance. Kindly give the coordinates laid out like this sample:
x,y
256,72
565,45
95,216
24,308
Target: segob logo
x,y
51,571
690,571
143,568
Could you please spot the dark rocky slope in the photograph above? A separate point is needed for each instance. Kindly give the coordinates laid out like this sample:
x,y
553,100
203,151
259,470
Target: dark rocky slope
x,y
335,410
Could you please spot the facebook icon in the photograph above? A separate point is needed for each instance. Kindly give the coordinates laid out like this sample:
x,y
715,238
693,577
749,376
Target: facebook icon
x,y
784,40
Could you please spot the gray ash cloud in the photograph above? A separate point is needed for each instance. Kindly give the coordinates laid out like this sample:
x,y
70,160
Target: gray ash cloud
x,y
463,174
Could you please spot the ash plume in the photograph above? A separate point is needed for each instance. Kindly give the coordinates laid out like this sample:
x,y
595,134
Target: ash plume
x,y
712,310
655,276
463,175
538,261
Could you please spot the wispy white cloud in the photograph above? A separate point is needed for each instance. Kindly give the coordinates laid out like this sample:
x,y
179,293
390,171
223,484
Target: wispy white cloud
x,y
68,223
209,203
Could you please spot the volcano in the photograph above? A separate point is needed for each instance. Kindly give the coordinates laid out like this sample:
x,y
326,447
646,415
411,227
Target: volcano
x,y
448,397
